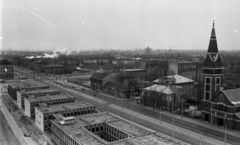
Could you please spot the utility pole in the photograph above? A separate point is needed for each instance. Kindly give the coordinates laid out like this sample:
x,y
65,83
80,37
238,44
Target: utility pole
x,y
173,116
225,130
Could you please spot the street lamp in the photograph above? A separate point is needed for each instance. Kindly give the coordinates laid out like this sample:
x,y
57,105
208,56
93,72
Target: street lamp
x,y
225,130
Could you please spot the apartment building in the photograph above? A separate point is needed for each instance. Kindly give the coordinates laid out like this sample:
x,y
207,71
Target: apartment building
x,y
43,114
32,102
28,85
34,93
6,69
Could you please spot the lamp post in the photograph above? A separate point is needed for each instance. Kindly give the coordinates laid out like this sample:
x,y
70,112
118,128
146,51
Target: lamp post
x,y
173,116
225,130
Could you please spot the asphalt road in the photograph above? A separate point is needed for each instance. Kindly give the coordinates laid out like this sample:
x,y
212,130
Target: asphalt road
x,y
178,122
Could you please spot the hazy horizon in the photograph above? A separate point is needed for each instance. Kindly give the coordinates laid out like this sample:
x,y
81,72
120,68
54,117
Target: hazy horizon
x,y
113,24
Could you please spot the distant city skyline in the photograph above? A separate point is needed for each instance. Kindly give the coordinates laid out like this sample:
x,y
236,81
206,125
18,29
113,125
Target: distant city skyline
x,y
113,24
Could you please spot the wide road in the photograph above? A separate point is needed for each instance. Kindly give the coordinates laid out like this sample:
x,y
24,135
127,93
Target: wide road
x,y
178,122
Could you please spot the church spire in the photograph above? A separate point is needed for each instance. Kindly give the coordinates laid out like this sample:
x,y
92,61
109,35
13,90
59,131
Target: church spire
x,y
212,48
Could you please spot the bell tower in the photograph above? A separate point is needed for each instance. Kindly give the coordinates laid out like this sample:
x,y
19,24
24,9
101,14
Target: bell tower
x,y
212,69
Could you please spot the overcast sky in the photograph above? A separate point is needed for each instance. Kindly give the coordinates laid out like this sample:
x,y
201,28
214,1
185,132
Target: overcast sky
x,y
119,24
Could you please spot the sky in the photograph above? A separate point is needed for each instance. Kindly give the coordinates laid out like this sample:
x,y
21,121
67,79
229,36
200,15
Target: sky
x,y
118,24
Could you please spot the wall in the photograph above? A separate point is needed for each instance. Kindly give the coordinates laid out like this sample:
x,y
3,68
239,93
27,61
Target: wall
x,y
16,130
19,99
27,107
39,119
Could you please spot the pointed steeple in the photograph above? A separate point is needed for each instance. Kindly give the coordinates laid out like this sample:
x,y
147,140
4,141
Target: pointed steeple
x,y
213,48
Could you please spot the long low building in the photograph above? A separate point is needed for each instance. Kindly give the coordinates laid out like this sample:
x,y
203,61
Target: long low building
x,y
34,93
28,85
32,102
44,114
105,128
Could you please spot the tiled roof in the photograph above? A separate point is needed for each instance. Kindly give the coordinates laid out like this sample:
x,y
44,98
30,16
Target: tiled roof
x,y
233,95
178,79
118,86
54,65
237,114
99,76
160,88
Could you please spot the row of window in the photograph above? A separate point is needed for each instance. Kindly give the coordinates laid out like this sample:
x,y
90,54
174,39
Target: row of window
x,y
62,135
212,71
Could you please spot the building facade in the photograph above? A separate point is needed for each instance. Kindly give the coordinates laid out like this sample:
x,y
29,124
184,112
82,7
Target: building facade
x,y
128,74
44,114
54,69
13,88
6,69
155,68
34,93
223,109
31,102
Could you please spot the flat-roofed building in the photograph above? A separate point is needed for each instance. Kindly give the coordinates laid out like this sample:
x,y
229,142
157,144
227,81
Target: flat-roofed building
x,y
6,69
28,85
105,128
32,102
44,114
34,93
128,74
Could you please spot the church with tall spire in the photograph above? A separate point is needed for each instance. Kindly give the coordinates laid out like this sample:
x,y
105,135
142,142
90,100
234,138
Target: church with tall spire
x,y
219,107
212,68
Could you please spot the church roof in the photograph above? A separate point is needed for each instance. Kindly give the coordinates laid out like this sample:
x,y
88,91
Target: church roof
x,y
213,48
233,95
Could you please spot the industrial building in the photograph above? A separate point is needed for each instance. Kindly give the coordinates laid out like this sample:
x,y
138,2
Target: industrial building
x,y
105,128
28,85
44,114
32,102
34,93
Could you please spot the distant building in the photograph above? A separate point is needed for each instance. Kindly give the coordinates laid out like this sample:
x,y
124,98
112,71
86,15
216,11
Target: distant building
x,y
34,93
123,61
96,60
54,69
162,96
189,69
128,74
6,69
155,68
189,92
97,80
32,102
40,65
44,114
29,85
115,89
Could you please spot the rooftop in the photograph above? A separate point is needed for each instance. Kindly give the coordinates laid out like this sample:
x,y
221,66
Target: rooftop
x,y
54,66
29,92
152,139
177,79
77,131
45,98
160,88
133,70
233,95
99,76
62,107
27,84
139,135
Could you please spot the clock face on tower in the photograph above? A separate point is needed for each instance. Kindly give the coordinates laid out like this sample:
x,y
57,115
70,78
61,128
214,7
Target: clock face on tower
x,y
213,57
